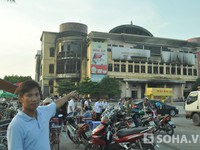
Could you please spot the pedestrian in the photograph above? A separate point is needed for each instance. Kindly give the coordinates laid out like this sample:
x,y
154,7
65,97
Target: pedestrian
x,y
87,117
86,103
128,106
71,105
104,105
98,109
63,112
29,129
82,101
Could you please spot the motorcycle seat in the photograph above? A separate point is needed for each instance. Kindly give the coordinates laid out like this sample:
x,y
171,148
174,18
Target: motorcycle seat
x,y
125,132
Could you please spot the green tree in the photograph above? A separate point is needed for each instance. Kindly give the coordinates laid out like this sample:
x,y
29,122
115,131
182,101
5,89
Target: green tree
x,y
196,84
65,86
110,87
86,87
15,78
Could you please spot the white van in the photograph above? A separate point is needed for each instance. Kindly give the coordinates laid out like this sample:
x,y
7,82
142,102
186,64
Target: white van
x,y
192,107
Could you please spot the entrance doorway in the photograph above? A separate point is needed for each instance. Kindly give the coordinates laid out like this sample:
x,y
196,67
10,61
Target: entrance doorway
x,y
134,94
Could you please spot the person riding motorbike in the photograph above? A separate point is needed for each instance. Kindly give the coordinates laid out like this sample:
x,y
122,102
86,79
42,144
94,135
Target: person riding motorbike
x,y
147,106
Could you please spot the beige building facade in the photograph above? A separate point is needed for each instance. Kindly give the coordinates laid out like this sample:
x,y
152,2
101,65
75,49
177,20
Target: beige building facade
x,y
128,53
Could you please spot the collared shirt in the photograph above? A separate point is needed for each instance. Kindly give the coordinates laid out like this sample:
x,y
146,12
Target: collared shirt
x,y
104,104
27,133
98,107
71,104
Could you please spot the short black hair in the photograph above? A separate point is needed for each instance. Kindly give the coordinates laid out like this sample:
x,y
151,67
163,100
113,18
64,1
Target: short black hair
x,y
86,108
26,86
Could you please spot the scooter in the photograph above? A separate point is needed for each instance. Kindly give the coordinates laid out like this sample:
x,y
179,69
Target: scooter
x,y
3,131
77,133
105,138
166,125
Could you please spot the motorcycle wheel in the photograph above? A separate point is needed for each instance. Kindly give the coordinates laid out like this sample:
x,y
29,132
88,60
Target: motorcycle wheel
x,y
147,147
93,147
71,137
169,129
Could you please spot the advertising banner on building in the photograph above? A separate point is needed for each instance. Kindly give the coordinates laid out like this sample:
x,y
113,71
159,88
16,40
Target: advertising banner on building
x,y
99,63
178,57
97,77
121,53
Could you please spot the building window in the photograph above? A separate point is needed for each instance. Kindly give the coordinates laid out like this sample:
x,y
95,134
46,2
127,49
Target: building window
x,y
190,72
60,67
72,66
155,70
149,69
173,71
116,67
123,68
167,70
62,48
51,68
130,68
110,68
51,86
195,72
178,71
136,68
68,48
184,71
52,52
142,69
161,70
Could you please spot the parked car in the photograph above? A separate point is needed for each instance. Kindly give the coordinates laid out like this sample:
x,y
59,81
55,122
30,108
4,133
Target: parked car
x,y
165,108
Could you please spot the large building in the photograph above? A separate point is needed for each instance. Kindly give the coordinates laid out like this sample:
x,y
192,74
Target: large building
x,y
128,53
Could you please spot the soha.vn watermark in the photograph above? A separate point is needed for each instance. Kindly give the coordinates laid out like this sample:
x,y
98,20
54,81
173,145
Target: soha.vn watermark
x,y
151,138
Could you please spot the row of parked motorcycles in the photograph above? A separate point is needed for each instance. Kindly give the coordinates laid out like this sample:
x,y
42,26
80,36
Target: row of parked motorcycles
x,y
116,131
7,112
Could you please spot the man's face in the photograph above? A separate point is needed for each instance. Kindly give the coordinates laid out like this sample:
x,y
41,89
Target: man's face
x,y
30,100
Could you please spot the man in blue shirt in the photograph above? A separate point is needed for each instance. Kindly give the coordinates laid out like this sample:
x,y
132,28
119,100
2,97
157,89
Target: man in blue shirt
x,y
87,117
29,129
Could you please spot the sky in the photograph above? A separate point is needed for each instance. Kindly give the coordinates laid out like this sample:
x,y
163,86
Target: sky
x,y
23,22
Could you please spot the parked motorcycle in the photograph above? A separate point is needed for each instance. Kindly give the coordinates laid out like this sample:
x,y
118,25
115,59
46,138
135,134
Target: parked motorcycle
x,y
166,125
55,130
104,136
3,131
77,133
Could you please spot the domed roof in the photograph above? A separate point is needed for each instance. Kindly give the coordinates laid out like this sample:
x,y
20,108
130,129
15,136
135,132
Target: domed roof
x,y
131,29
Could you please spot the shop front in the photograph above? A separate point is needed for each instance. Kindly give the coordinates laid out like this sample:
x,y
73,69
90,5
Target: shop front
x,y
162,94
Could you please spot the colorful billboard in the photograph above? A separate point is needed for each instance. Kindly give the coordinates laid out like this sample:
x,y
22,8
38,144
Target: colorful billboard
x,y
98,58
97,77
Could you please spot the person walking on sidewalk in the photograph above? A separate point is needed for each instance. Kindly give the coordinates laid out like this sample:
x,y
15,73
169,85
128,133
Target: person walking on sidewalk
x,y
98,109
29,129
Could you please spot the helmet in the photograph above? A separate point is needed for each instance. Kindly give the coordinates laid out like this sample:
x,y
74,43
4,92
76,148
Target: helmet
x,y
158,105
146,98
47,101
